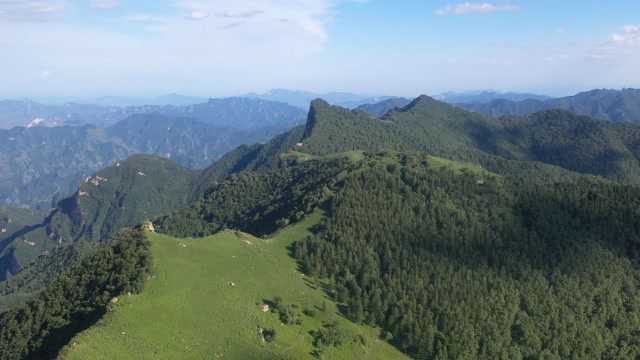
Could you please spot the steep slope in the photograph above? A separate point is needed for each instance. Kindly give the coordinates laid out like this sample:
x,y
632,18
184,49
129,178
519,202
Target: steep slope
x,y
76,299
209,291
125,194
13,222
43,165
122,195
612,105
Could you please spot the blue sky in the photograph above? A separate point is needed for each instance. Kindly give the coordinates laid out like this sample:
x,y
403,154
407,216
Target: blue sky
x,y
402,47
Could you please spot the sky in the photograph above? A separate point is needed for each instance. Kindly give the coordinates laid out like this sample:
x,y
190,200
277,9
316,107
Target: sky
x,y
385,47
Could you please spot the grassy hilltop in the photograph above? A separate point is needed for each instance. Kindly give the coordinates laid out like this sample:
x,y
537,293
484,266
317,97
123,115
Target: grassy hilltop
x,y
204,303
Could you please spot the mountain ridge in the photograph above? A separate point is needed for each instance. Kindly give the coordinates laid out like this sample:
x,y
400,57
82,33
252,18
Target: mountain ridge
x,y
606,104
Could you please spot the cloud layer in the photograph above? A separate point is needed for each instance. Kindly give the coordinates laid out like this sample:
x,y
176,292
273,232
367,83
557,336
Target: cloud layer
x,y
629,36
475,8
28,10
217,48
234,45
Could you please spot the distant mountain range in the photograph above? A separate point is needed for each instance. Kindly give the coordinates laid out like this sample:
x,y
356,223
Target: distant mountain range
x,y
123,101
168,99
303,99
612,105
41,164
227,112
485,96
381,108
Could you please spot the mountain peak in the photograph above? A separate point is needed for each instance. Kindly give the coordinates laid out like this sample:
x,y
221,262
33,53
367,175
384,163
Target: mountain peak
x,y
317,106
422,101
319,103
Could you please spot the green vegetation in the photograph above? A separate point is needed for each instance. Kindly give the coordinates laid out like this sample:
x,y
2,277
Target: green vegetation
x,y
395,220
258,202
458,235
39,328
560,138
205,298
123,195
619,106
457,167
455,265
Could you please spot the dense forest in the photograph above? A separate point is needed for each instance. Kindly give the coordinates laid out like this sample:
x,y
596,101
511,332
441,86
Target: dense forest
x,y
465,266
453,262
258,202
75,299
554,137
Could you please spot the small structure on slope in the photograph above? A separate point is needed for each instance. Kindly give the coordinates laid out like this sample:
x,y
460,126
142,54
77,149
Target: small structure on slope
x,y
148,226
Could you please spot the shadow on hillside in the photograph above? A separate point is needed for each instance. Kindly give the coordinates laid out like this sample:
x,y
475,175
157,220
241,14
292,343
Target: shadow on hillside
x,y
551,234
53,344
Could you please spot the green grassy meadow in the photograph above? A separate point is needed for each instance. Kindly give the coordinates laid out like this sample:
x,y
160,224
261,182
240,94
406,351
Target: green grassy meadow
x,y
204,303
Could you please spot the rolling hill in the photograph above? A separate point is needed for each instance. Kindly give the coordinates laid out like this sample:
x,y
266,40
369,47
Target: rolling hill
x,y
204,300
619,106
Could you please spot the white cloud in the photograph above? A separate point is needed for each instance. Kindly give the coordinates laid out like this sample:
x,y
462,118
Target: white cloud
x,y
630,36
197,15
234,47
475,8
30,11
243,15
105,4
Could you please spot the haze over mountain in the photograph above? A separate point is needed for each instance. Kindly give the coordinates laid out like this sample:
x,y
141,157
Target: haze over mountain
x,y
612,105
303,99
381,108
42,164
227,112
485,96
168,99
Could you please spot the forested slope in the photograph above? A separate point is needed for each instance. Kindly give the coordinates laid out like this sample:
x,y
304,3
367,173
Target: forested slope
x,y
618,106
452,261
559,138
462,236
123,195
76,299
